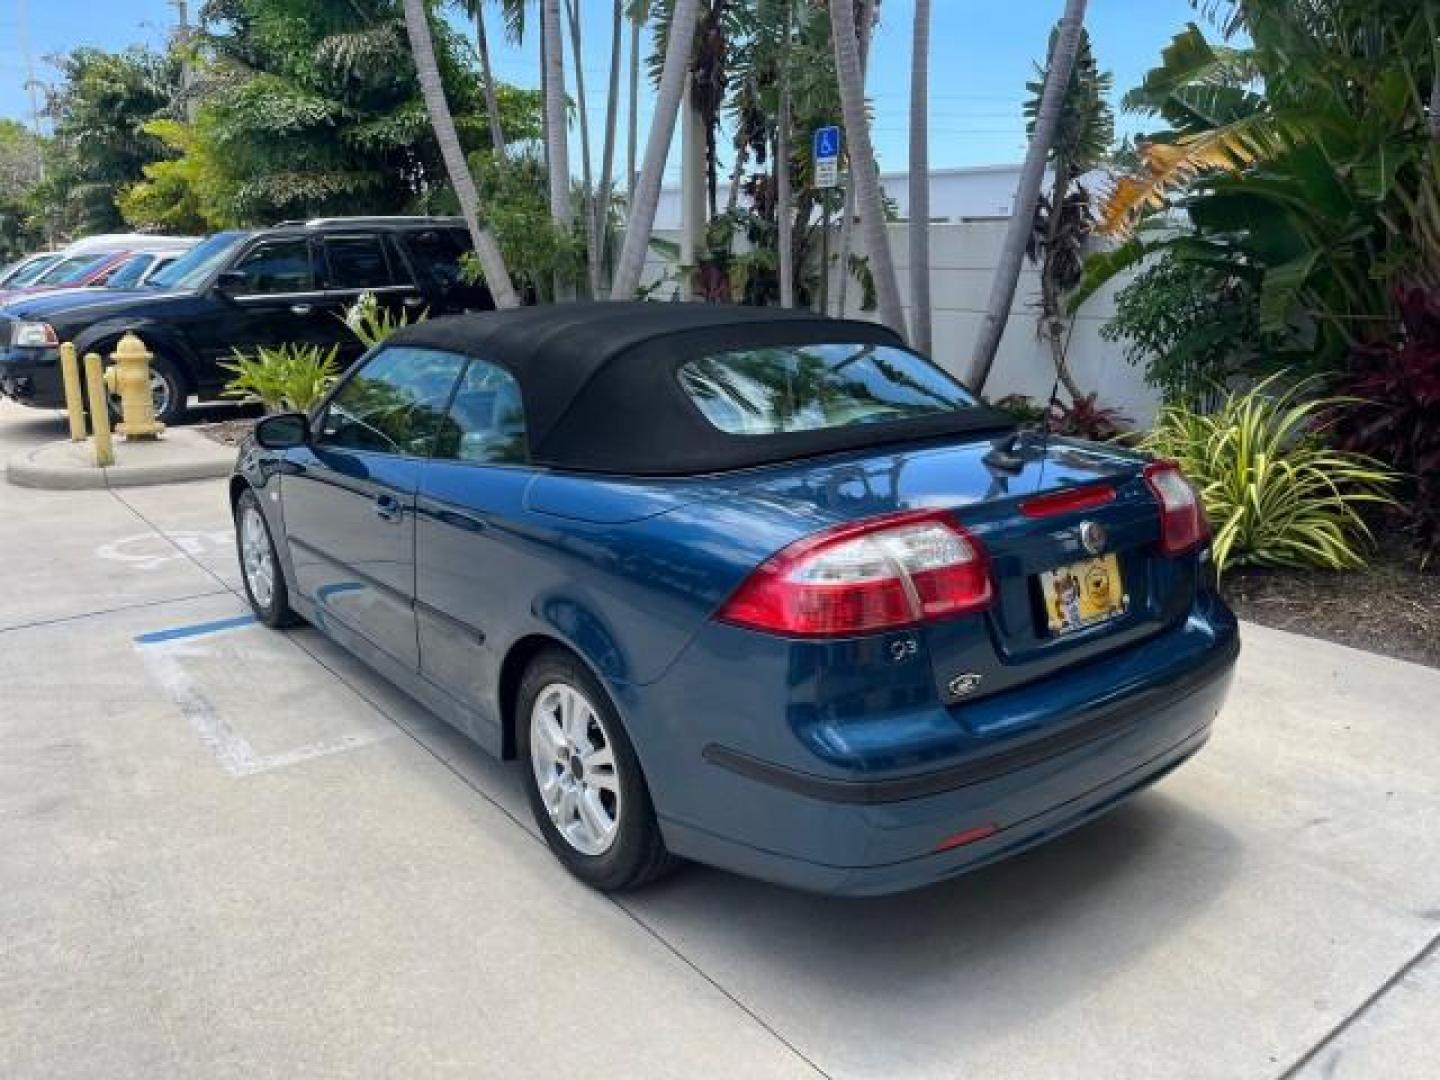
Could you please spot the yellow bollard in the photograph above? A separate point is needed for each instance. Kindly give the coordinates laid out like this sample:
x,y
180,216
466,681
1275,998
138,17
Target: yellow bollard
x,y
99,410
74,400
130,378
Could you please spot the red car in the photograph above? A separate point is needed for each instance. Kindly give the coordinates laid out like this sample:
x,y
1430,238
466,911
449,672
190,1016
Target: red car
x,y
72,272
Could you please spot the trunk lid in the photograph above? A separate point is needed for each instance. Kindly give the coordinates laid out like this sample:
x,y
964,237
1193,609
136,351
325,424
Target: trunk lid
x,y
989,485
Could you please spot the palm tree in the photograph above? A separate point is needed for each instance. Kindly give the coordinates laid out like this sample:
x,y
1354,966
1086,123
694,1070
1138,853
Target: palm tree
x,y
920,179
864,173
1063,222
587,177
657,148
492,264
601,205
847,223
784,213
556,131
476,10
1032,174
639,13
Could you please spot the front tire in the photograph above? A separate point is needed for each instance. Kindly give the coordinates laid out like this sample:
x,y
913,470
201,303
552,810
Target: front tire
x,y
168,393
265,586
583,779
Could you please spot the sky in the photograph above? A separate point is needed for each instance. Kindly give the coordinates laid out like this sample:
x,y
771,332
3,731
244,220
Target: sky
x,y
982,53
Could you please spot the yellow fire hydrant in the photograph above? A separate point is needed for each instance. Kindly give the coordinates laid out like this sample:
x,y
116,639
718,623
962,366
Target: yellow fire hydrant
x,y
129,377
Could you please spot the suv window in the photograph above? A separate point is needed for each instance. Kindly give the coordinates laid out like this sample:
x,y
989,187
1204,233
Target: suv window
x,y
357,262
486,422
436,253
394,403
276,266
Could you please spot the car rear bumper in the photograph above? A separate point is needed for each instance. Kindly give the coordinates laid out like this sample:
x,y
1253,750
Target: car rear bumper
x,y
32,377
861,836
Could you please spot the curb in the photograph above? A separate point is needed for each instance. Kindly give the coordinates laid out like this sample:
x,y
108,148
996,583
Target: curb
x,y
29,469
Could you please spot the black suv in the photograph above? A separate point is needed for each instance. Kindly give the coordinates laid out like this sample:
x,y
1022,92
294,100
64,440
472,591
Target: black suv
x,y
238,290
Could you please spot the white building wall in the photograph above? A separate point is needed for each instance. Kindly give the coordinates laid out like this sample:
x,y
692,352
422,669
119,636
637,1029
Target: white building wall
x,y
963,256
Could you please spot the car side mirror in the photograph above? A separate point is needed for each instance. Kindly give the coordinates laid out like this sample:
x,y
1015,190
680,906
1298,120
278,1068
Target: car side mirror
x,y
230,281
283,431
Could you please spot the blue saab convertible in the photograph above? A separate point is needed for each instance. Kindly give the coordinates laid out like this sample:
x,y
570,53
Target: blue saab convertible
x,y
750,587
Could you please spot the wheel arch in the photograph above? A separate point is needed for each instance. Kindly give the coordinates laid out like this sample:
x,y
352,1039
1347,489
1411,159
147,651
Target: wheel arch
x,y
512,673
159,339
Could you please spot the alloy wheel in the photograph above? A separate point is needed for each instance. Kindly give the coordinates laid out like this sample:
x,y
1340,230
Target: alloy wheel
x,y
573,758
256,557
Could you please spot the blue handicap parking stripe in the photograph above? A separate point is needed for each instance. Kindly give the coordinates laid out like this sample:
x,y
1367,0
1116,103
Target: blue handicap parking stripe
x,y
193,630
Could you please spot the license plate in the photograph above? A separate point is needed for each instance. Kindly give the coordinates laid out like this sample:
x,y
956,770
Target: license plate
x,y
1082,594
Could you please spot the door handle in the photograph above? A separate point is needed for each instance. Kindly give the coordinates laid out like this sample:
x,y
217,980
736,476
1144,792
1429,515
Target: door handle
x,y
387,507
300,309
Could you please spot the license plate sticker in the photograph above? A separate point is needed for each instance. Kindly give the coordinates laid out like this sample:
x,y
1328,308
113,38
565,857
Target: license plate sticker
x,y
1083,593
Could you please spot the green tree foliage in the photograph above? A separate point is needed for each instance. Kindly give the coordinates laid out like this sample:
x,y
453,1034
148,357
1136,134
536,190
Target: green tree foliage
x,y
99,110
1303,162
21,156
314,107
188,193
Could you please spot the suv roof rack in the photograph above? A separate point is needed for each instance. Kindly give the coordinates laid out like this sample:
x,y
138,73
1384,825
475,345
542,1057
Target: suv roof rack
x,y
386,219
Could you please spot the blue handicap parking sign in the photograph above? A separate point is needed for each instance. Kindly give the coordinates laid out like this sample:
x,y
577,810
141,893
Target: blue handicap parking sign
x,y
827,143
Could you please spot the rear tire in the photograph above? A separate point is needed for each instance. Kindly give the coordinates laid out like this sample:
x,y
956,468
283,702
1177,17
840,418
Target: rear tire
x,y
260,570
584,782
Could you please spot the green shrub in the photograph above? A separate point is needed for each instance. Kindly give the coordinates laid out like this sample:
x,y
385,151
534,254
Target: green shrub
x,y
1276,493
284,376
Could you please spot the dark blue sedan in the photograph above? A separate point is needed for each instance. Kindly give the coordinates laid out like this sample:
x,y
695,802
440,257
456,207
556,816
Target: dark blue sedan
x,y
743,586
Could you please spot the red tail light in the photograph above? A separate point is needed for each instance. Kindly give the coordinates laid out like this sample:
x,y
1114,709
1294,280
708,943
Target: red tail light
x,y
1183,524
891,571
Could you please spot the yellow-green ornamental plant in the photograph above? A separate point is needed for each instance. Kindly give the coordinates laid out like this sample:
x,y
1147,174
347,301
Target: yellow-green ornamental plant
x,y
284,376
1277,494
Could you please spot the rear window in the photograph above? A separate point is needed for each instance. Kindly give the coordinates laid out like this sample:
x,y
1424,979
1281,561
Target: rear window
x,y
785,388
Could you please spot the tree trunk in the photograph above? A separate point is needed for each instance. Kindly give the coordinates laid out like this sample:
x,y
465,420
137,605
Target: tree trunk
x,y
600,207
657,149
920,180
1054,322
587,177
632,136
847,224
556,129
864,173
487,81
783,207
737,176
492,263
1012,254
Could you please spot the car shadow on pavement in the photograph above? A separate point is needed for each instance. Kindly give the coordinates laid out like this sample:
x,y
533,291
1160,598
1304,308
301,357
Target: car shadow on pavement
x,y
1003,945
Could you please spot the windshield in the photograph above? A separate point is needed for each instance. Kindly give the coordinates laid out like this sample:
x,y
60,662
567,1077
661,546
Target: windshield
x,y
193,269
128,274
26,272
784,388
69,270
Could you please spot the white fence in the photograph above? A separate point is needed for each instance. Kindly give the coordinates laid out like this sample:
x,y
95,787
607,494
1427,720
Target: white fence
x,y
962,264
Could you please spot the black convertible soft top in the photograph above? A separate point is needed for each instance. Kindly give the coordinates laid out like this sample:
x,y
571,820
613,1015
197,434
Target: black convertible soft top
x,y
599,386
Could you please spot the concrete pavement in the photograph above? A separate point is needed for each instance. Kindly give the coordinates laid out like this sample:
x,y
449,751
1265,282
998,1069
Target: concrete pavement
x,y
230,852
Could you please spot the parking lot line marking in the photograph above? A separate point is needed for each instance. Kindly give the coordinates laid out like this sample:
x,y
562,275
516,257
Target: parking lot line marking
x,y
155,637
162,652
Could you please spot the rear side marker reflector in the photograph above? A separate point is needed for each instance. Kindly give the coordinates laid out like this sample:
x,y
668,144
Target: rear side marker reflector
x,y
1066,502
969,836
880,574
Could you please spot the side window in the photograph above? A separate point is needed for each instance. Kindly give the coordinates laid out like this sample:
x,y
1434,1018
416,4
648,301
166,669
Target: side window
x,y
436,253
486,422
394,404
276,266
357,262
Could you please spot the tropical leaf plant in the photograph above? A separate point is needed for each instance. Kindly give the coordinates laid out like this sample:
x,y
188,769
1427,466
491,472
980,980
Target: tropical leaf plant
x,y
1275,490
283,377
372,323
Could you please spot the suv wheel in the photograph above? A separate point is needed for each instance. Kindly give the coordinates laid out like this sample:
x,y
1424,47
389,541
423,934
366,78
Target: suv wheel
x,y
167,392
